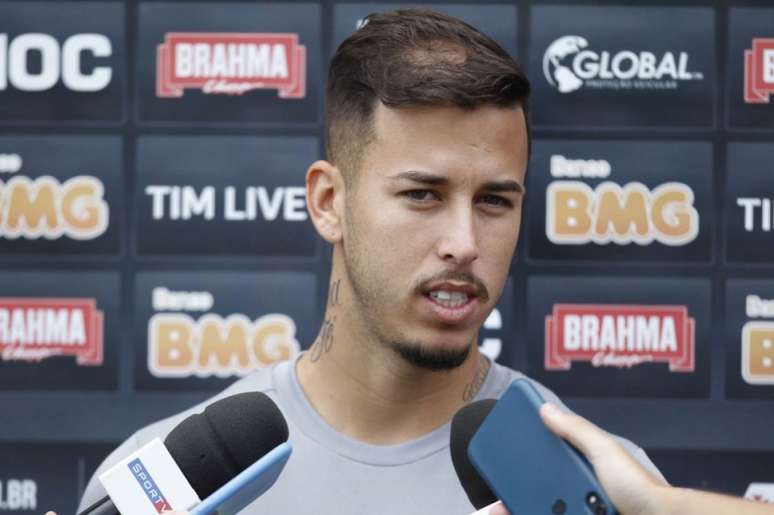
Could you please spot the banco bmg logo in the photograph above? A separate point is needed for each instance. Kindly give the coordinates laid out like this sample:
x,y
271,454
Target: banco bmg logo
x,y
207,344
44,207
570,63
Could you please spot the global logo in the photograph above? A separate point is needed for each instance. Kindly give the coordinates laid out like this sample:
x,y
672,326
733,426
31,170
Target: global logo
x,y
569,64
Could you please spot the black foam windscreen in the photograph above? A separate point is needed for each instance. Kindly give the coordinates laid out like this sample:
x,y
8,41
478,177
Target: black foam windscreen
x,y
464,425
230,435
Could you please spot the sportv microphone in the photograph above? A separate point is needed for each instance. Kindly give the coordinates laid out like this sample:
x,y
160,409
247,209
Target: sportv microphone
x,y
464,425
237,443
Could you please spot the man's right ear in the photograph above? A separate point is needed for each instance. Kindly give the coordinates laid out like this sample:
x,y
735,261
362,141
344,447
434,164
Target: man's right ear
x,y
325,199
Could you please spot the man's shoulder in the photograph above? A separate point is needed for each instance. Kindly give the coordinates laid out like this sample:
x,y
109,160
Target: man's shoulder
x,y
259,381
502,377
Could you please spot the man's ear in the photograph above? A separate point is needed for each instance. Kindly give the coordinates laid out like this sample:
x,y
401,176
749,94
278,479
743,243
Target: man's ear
x,y
324,199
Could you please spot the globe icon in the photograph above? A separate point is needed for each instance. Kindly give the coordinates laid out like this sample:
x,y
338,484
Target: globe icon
x,y
558,74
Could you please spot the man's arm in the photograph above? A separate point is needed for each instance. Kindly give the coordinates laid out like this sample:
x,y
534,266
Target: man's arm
x,y
634,490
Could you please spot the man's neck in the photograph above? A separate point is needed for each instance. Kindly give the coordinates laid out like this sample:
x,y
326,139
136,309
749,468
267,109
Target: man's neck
x,y
366,391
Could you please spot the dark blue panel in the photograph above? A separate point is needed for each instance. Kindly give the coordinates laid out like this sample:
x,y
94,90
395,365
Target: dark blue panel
x,y
83,206
606,378
272,316
674,228
224,20
22,334
224,196
74,63
607,67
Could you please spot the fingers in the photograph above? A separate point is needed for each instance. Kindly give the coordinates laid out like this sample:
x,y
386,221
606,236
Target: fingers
x,y
581,433
498,509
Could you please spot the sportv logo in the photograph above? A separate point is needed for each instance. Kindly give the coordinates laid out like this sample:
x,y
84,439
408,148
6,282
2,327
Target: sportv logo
x,y
149,486
759,71
66,62
568,65
619,336
230,63
33,329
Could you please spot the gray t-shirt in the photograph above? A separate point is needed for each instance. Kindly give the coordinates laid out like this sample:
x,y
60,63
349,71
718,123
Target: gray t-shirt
x,y
330,473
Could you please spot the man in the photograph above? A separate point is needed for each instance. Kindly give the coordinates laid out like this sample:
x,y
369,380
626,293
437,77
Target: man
x,y
421,200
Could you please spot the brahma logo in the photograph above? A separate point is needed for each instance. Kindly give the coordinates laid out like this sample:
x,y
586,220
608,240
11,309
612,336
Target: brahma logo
x,y
619,336
33,329
149,486
181,346
759,71
760,492
569,65
231,64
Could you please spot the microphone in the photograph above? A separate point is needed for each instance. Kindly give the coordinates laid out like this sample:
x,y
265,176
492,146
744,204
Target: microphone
x,y
209,448
464,425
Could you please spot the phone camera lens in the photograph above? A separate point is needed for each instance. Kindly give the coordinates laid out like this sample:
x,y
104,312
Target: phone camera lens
x,y
596,504
559,507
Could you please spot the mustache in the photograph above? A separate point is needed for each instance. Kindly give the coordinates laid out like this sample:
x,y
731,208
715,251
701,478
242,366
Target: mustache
x,y
478,285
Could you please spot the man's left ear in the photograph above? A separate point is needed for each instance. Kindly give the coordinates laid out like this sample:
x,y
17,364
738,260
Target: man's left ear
x,y
324,185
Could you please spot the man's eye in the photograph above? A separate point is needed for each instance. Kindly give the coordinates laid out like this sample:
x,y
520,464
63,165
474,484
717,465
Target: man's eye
x,y
495,200
420,195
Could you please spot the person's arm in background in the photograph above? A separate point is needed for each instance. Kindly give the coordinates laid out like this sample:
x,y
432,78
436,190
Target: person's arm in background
x,y
630,487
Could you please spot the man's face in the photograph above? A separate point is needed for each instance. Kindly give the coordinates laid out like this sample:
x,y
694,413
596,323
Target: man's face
x,y
431,223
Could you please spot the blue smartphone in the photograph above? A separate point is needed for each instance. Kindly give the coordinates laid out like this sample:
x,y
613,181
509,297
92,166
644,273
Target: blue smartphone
x,y
530,469
247,486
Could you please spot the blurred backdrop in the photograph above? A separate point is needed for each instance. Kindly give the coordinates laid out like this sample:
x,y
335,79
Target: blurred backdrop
x,y
154,243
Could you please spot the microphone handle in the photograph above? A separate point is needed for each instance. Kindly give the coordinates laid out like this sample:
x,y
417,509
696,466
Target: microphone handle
x,y
102,507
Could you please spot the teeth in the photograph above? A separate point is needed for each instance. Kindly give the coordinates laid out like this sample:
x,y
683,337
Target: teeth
x,y
449,299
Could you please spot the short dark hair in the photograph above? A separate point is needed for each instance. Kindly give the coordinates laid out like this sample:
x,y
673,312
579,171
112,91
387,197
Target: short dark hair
x,y
412,57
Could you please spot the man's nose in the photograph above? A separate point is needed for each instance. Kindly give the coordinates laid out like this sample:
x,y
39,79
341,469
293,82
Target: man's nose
x,y
459,243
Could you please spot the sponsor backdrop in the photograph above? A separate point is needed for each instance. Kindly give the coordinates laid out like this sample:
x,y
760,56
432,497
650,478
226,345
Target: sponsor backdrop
x,y
155,246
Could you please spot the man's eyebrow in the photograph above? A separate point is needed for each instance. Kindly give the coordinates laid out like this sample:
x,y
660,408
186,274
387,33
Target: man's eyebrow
x,y
421,177
506,185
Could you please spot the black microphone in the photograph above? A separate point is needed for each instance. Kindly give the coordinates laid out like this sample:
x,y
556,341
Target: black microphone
x,y
212,447
464,425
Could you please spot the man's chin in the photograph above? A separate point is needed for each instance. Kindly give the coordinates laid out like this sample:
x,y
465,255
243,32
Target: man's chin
x,y
429,357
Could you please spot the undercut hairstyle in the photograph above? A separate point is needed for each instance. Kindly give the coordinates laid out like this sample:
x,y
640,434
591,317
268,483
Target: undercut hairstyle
x,y
412,57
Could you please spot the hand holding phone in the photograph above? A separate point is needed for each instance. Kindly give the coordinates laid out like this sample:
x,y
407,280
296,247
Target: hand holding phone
x,y
533,471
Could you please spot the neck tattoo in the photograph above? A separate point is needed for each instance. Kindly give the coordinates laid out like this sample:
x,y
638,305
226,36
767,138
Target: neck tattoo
x,y
473,387
324,342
